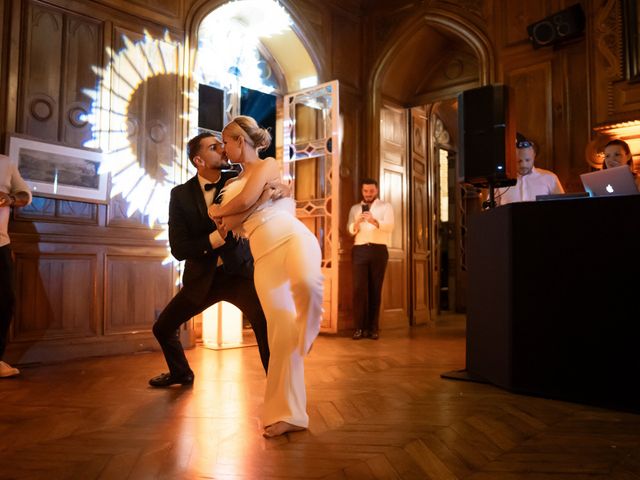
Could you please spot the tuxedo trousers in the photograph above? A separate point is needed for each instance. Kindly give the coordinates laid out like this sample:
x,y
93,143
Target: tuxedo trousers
x,y
235,289
289,282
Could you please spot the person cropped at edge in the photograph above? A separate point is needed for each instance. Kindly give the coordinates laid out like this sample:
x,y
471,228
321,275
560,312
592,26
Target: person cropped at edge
x,y
371,221
14,192
531,181
193,237
618,153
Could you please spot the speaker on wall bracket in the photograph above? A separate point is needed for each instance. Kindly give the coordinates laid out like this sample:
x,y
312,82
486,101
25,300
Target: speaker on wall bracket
x,y
557,28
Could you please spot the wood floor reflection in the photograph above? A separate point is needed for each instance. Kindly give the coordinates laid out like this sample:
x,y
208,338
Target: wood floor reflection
x,y
378,410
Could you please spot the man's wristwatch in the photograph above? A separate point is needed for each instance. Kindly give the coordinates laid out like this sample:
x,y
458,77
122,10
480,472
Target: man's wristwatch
x,y
13,199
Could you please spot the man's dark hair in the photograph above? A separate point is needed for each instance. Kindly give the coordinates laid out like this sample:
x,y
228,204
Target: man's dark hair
x,y
523,142
193,146
368,181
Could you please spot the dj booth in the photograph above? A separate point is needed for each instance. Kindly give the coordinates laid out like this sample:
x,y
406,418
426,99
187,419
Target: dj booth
x,y
554,299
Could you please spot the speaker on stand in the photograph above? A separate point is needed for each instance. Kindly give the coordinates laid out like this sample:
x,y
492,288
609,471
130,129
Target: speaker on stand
x,y
487,137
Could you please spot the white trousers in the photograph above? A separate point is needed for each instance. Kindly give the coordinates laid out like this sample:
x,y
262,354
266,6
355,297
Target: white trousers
x,y
289,283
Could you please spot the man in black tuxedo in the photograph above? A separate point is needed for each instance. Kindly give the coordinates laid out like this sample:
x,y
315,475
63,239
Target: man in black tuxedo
x,y
193,237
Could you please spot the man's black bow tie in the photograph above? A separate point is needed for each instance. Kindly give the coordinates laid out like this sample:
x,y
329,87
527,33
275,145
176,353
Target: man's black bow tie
x,y
209,186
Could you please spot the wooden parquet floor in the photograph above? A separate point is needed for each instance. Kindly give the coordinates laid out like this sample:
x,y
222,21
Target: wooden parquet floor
x,y
378,410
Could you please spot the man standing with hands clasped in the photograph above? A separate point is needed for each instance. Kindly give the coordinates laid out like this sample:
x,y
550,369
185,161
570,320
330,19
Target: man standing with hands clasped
x,y
14,192
371,221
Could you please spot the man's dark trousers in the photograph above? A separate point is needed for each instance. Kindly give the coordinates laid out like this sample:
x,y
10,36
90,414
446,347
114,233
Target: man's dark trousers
x,y
236,289
369,264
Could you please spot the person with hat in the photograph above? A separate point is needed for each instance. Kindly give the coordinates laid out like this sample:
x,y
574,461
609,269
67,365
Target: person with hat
x,y
531,181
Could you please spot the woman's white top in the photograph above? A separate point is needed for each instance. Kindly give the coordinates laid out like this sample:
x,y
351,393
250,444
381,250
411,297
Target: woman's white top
x,y
263,213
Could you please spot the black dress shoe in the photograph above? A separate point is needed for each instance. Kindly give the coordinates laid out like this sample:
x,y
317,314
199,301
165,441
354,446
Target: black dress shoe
x,y
166,380
374,336
357,335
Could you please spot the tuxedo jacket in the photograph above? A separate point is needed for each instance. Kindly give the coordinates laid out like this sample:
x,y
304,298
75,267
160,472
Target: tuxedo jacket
x,y
189,229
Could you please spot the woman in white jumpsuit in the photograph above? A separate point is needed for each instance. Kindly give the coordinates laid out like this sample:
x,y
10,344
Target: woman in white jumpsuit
x,y
287,276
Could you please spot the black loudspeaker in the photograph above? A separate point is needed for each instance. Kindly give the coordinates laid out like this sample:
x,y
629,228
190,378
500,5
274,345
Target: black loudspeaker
x,y
487,129
558,27
210,108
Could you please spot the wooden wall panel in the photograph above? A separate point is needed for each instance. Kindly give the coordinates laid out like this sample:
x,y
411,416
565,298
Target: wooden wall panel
x,y
394,304
419,214
83,50
168,13
614,99
137,289
41,75
317,27
572,122
516,16
57,296
534,111
170,8
420,291
350,173
393,125
350,153
346,62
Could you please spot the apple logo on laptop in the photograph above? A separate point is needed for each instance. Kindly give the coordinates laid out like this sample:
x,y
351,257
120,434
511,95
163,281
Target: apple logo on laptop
x,y
609,188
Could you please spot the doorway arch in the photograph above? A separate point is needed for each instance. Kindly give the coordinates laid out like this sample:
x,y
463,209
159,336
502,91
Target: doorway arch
x,y
416,151
445,20
297,39
290,55
301,113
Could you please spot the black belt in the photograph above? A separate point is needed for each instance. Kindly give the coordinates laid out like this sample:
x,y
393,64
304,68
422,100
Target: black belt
x,y
369,244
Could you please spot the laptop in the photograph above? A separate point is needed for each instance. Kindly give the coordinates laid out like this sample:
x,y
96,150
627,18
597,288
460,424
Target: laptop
x,y
609,181
561,196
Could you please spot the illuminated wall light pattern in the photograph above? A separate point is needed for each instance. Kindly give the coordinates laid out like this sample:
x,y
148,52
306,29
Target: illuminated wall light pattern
x,y
228,41
125,73
138,62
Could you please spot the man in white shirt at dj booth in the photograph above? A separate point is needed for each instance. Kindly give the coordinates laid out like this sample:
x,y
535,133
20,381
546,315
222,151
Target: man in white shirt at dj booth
x,y
531,181
371,221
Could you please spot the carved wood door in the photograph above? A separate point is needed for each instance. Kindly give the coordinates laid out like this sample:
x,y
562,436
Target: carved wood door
x,y
394,311
420,258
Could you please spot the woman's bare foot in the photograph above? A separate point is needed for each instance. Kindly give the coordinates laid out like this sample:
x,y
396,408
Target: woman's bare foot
x,y
280,428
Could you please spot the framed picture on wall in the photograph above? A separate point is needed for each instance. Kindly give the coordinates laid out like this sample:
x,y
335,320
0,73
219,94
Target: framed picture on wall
x,y
57,171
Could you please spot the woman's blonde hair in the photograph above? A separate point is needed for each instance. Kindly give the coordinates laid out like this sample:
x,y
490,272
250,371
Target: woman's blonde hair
x,y
248,128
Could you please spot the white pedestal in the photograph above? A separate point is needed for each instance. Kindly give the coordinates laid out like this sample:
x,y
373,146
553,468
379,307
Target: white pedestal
x,y
222,326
